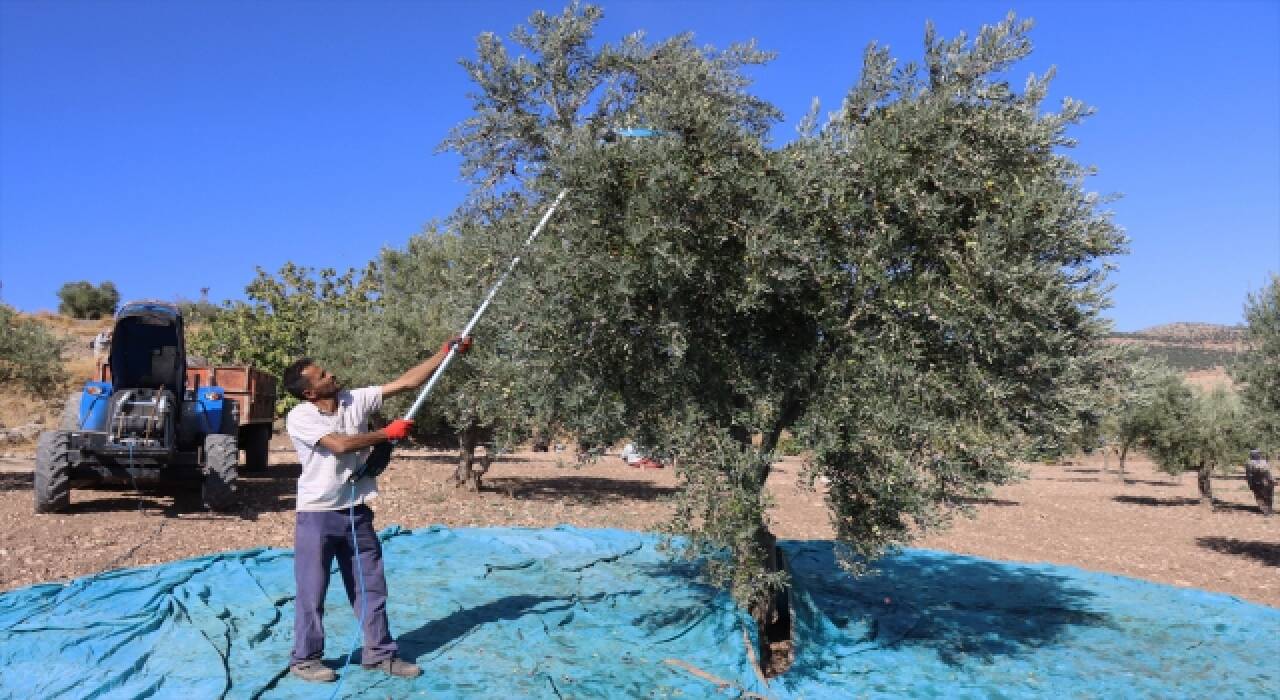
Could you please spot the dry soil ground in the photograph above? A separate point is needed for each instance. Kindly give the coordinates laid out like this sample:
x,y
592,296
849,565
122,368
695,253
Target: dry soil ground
x,y
1146,524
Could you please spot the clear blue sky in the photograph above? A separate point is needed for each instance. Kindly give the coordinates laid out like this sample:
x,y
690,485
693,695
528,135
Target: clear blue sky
x,y
169,146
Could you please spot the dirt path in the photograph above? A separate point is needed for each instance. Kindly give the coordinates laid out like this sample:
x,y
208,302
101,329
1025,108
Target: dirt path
x,y
1147,525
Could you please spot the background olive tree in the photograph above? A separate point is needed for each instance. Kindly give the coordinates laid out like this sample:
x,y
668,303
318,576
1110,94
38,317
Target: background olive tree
x,y
427,292
282,317
913,287
1132,412
1257,371
30,355
1191,430
88,301
369,326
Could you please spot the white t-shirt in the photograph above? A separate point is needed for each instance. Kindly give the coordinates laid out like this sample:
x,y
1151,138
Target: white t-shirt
x,y
324,483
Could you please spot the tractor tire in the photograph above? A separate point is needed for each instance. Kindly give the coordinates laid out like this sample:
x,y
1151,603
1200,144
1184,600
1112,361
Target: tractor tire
x,y
52,478
71,413
256,443
220,456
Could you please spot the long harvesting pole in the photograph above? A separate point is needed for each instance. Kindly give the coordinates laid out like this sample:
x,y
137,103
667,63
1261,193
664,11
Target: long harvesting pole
x,y
453,350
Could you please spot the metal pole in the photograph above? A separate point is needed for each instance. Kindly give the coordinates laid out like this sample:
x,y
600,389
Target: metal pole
x,y
422,396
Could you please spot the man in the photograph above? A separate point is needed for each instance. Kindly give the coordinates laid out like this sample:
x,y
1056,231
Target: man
x,y
330,431
1258,473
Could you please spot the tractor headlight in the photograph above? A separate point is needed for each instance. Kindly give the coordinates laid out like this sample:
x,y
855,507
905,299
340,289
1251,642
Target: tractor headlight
x,y
212,396
93,390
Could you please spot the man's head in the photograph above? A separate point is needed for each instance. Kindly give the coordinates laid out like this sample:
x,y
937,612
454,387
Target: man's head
x,y
306,380
1255,454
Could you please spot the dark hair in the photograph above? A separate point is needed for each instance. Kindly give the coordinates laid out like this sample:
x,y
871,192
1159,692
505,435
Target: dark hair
x,y
294,382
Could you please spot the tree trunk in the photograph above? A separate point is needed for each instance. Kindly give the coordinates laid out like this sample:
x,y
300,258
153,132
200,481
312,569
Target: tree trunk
x,y
469,469
772,615
1124,452
1206,485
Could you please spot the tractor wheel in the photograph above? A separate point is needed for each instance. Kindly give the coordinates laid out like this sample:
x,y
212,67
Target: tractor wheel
x,y
256,443
220,454
71,413
52,480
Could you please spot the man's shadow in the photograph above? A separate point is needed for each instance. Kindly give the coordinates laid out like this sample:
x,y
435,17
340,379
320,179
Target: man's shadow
x,y
438,634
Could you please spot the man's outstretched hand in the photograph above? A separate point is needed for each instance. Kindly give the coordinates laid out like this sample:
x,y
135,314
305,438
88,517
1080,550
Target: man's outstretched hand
x,y
398,429
463,344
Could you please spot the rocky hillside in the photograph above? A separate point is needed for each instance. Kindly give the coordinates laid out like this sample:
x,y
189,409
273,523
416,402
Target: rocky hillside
x,y
1188,346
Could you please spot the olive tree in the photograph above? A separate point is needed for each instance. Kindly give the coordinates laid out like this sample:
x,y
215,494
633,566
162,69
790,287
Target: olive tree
x,y
83,299
1258,369
428,291
1133,414
30,356
283,317
1190,430
912,287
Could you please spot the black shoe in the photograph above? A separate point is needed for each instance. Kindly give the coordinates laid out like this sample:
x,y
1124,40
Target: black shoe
x,y
395,666
313,670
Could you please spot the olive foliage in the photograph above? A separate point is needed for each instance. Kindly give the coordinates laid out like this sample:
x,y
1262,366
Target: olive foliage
x,y
1191,430
912,287
30,356
287,315
86,300
1258,369
368,326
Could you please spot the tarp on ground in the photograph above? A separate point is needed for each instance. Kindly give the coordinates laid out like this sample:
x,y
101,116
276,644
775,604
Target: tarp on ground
x,y
571,613
934,624
489,613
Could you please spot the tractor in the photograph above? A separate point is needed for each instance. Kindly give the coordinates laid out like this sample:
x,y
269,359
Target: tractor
x,y
148,417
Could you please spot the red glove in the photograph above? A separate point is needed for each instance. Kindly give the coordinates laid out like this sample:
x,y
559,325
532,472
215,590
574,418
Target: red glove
x,y
463,344
398,429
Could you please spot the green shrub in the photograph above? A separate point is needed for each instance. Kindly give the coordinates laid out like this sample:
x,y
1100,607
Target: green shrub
x,y
83,300
30,356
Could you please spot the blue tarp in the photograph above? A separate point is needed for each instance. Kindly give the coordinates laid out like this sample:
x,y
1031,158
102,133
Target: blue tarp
x,y
934,624
571,613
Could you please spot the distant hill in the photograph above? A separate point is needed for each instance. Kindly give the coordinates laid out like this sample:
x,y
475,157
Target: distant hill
x,y
1188,346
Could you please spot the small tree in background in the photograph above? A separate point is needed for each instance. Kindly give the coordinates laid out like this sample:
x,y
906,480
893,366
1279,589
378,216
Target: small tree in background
x,y
280,321
1190,430
86,301
30,356
1132,415
428,292
1257,371
199,312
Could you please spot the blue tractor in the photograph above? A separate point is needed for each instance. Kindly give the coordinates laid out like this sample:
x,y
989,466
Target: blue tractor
x,y
147,423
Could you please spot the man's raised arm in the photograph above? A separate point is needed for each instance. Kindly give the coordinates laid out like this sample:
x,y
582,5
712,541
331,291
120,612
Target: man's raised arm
x,y
419,374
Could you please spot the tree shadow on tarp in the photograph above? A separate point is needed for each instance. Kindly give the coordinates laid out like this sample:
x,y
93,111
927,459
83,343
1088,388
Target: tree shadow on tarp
x,y
962,608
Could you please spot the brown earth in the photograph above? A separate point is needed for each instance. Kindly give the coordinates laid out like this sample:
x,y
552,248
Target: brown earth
x,y
1146,525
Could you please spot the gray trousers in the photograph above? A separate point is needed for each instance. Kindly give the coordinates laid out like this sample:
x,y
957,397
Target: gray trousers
x,y
319,537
